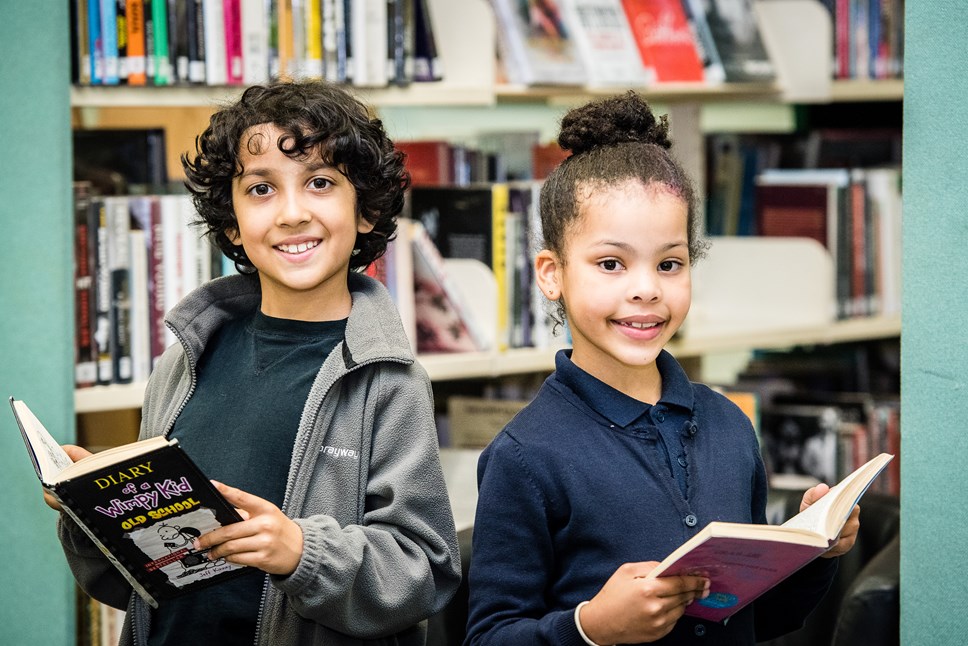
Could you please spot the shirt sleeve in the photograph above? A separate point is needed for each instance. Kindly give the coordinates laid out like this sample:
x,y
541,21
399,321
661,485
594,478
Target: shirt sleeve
x,y
513,557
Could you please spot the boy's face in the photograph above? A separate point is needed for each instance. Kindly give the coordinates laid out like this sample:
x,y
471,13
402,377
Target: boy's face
x,y
625,282
297,223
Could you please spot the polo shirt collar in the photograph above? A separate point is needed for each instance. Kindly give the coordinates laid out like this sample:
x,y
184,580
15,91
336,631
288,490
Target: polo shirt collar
x,y
616,406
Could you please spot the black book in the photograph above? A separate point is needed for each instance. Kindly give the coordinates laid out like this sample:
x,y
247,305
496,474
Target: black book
x,y
143,504
121,160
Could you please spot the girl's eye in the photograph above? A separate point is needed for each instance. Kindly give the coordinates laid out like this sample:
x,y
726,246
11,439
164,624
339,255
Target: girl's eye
x,y
669,265
610,265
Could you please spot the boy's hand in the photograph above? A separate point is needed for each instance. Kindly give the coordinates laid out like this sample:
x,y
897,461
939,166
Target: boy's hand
x,y
266,538
75,453
848,535
633,609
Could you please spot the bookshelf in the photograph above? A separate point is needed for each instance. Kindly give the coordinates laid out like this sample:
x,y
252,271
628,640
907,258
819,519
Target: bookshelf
x,y
490,365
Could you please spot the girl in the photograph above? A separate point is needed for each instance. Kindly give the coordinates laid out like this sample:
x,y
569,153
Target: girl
x,y
619,459
294,383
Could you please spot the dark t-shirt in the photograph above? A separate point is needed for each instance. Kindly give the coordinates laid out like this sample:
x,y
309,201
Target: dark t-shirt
x,y
239,426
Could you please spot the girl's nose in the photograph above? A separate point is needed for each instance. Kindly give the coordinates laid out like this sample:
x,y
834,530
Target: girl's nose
x,y
644,286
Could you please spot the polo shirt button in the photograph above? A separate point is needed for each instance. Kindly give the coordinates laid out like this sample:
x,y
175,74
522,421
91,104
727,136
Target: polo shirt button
x,y
699,629
690,520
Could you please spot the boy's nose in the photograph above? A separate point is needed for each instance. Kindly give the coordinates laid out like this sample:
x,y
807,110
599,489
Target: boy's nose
x,y
292,212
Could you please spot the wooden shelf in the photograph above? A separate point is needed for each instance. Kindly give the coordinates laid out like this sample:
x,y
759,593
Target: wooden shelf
x,y
488,365
867,90
664,92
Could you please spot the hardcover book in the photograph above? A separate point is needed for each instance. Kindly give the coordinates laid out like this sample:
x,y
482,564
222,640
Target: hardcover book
x,y
142,504
742,561
665,39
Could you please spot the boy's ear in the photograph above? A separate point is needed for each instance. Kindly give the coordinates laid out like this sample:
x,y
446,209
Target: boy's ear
x,y
233,236
547,273
363,225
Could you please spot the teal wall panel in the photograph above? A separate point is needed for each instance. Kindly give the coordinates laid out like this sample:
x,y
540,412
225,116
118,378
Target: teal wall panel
x,y
36,309
934,355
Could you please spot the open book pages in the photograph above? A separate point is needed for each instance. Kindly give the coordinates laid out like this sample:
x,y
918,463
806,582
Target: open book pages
x,y
828,515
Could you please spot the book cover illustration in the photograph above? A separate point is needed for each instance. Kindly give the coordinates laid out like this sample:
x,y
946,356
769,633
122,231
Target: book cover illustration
x,y
147,510
665,40
536,44
736,35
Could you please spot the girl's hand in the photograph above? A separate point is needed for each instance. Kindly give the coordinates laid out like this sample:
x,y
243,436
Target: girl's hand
x,y
75,453
848,535
266,538
633,609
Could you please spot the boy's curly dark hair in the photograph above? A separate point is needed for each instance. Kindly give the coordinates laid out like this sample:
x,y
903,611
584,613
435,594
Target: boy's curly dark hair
x,y
612,141
319,119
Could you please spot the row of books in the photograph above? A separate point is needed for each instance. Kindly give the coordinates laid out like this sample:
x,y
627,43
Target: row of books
x,y
368,43
135,257
492,157
630,42
868,38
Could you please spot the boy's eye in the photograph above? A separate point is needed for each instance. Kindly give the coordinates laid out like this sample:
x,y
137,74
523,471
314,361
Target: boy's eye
x,y
320,183
260,189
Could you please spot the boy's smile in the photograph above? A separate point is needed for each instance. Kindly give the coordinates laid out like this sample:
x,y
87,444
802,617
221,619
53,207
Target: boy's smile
x,y
625,282
298,224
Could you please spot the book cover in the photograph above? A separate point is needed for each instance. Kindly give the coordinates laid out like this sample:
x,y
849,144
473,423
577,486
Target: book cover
x,y
737,40
742,561
469,222
143,504
536,45
443,319
429,161
605,43
665,40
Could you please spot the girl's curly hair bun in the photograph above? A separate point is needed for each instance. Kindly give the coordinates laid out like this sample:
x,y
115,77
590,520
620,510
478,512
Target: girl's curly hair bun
x,y
616,120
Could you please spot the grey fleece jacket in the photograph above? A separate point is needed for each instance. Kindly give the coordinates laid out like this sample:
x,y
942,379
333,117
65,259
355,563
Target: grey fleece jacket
x,y
365,484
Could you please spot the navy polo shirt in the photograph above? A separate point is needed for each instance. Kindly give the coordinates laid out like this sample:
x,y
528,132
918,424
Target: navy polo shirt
x,y
585,479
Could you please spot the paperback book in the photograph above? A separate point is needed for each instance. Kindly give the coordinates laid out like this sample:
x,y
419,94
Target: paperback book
x,y
142,504
742,561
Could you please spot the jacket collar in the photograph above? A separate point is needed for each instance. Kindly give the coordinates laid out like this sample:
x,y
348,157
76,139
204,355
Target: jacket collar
x,y
373,329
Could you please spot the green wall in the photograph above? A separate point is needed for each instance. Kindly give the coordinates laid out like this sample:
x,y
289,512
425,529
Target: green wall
x,y
36,310
934,353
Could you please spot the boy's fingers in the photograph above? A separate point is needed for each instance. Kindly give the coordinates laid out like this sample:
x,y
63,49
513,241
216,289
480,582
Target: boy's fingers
x,y
245,502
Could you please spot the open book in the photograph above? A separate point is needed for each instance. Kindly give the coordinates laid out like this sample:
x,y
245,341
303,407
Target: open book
x,y
742,561
142,504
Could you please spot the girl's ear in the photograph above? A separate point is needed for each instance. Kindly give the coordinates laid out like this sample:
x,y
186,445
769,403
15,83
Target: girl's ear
x,y
547,270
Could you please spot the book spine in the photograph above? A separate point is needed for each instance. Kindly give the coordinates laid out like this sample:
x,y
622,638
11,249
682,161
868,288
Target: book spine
x,y
195,21
134,21
313,24
102,336
213,27
178,36
95,41
85,250
161,53
74,511
499,259
109,39
151,62
119,262
255,42
232,21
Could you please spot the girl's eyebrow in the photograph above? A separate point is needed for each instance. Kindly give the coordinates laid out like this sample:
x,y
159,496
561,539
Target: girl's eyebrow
x,y
627,247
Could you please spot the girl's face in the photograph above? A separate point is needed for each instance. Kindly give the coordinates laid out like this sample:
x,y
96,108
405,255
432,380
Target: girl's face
x,y
297,222
625,281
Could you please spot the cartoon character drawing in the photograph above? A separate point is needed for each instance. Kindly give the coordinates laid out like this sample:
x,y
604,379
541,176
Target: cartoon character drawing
x,y
176,538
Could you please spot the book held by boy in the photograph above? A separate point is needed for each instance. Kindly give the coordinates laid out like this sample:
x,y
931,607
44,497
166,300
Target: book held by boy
x,y
142,504
742,561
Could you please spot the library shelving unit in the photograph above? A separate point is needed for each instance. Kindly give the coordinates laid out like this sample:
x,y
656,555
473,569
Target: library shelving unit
x,y
468,58
490,365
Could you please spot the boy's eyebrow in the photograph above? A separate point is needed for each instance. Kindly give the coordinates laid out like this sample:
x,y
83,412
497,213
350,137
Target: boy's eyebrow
x,y
265,172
